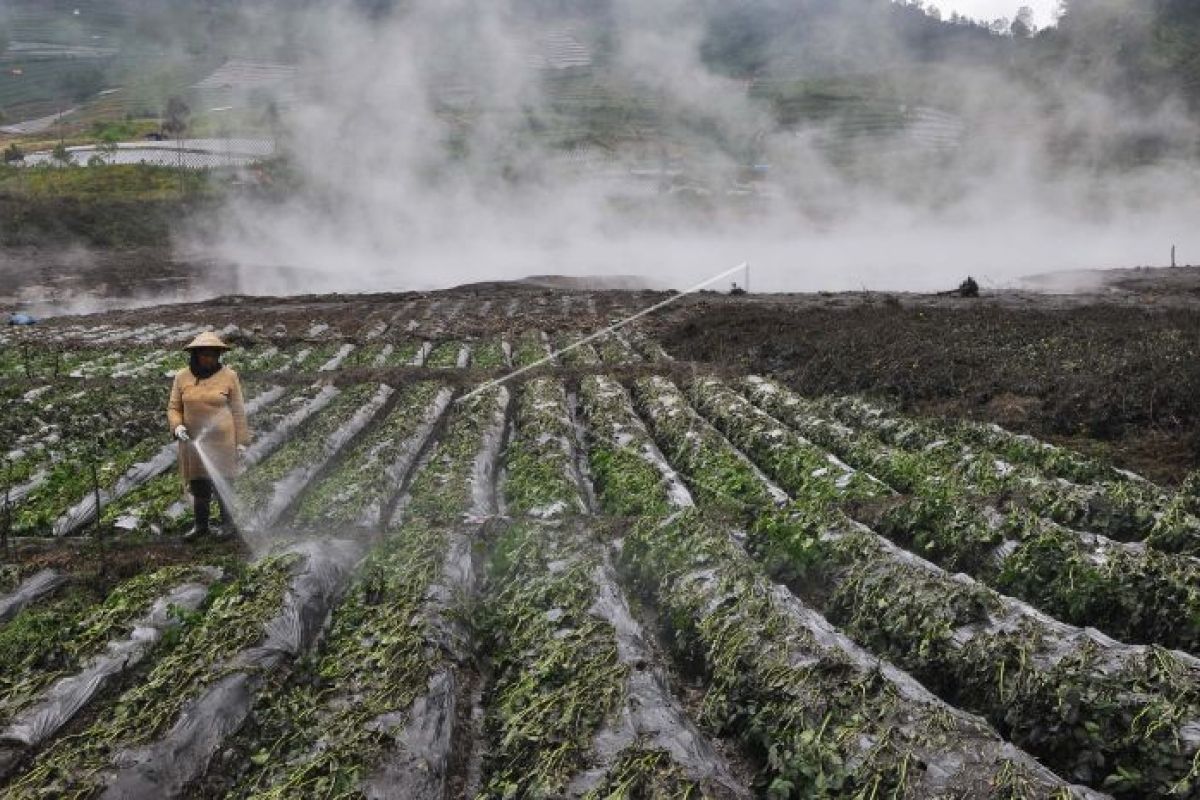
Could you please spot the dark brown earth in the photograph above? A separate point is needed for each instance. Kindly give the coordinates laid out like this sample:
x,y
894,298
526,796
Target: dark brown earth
x,y
1115,372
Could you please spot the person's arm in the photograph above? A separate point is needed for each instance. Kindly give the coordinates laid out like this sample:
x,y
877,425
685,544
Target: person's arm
x,y
175,407
237,405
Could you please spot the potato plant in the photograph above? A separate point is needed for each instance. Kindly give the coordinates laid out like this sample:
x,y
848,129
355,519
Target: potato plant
x,y
52,641
359,490
1110,502
444,355
72,767
624,462
715,472
541,476
1132,593
310,444
319,733
821,715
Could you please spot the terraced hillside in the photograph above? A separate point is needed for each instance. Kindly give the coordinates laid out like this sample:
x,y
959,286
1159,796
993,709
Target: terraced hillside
x,y
617,575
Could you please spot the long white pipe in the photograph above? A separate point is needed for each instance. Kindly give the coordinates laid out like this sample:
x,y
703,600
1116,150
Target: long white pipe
x,y
610,329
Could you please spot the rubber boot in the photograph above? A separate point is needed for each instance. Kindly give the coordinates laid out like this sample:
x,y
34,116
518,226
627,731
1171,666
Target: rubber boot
x,y
201,509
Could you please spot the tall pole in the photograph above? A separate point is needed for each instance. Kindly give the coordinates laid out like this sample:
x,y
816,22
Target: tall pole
x,y
6,530
96,495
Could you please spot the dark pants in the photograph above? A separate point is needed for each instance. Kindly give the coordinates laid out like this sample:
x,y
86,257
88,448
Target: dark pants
x,y
203,493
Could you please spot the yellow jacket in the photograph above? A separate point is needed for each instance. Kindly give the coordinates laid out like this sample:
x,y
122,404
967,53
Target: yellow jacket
x,y
214,412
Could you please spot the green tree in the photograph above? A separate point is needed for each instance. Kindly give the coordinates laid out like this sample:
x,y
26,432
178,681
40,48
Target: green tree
x,y
61,154
1023,25
177,117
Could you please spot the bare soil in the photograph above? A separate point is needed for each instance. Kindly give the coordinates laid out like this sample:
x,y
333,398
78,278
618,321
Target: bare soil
x,y
1114,371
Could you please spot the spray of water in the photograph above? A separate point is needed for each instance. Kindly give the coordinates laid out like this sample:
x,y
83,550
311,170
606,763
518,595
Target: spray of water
x,y
223,486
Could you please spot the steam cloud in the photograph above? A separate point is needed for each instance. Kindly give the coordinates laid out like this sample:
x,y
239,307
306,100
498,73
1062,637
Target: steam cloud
x,y
429,156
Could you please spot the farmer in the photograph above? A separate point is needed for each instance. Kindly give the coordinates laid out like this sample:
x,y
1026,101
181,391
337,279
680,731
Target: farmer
x,y
207,411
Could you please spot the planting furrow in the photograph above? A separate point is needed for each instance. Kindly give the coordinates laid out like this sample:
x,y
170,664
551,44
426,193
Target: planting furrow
x,y
718,475
419,762
615,350
60,674
1132,593
84,512
1052,460
650,741
360,490
37,422
446,355
243,628
977,649
430,738
383,355
800,467
1122,718
375,718
823,716
1121,509
489,354
106,363
285,416
32,431
556,610
631,476
32,590
164,767
310,358
156,362
541,479
267,360
98,366
337,358
560,695
647,347
459,473
584,355
530,348
272,485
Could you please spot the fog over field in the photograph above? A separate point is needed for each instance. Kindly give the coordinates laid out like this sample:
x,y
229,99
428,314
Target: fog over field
x,y
428,154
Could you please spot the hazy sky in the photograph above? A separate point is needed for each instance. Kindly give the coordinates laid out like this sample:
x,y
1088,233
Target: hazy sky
x,y
991,9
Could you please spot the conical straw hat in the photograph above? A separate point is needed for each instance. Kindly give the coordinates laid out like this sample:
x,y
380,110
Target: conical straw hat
x,y
207,339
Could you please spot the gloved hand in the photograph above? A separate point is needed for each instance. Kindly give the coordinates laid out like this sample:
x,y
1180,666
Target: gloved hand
x,y
181,433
